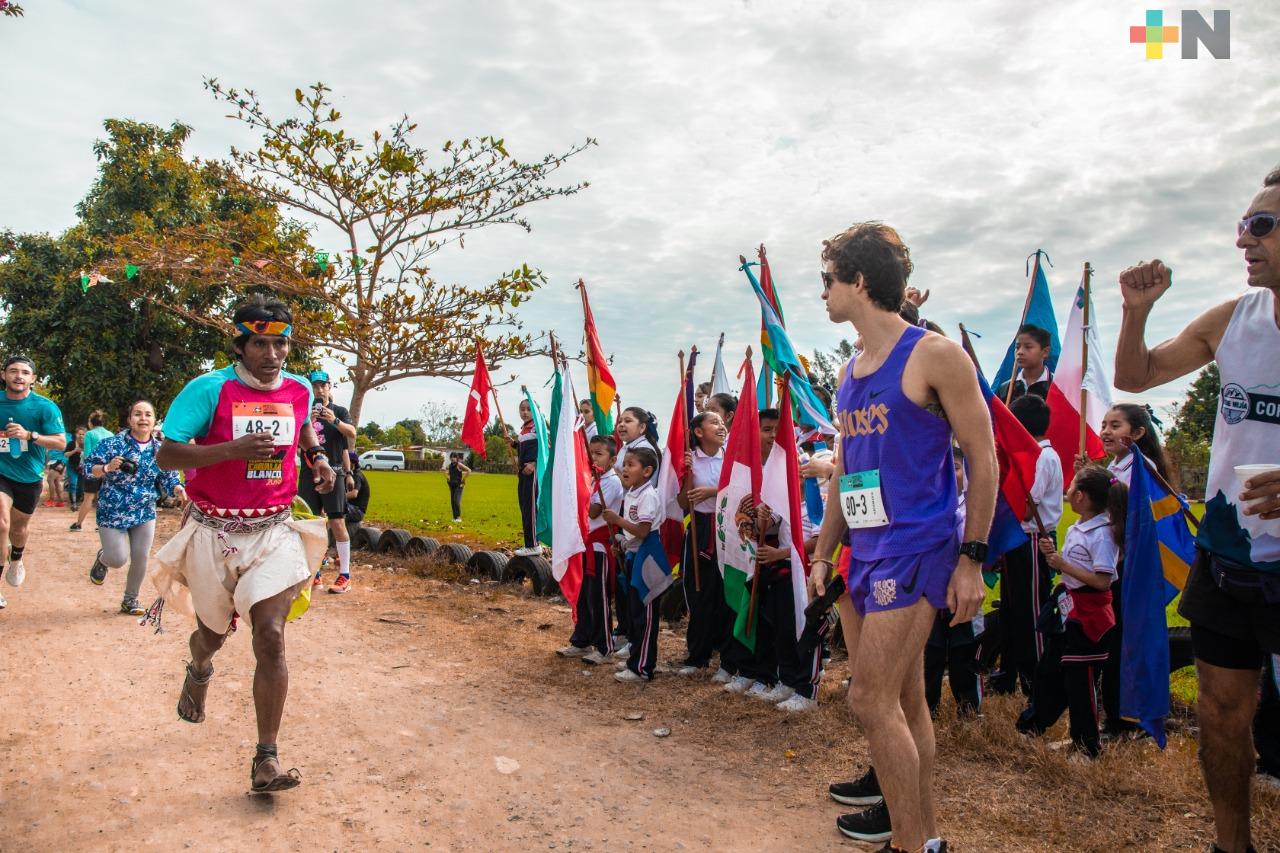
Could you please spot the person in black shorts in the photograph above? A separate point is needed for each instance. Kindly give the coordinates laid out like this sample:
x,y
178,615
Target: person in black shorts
x,y
30,425
333,426
457,476
1232,596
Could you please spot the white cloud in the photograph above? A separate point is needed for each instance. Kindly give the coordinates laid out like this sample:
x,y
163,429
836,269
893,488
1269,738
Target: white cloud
x,y
982,132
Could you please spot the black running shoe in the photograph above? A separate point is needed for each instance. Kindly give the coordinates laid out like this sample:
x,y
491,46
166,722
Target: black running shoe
x,y
98,571
870,825
860,792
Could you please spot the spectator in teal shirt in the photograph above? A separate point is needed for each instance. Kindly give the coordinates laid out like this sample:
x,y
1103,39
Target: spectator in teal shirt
x,y
97,432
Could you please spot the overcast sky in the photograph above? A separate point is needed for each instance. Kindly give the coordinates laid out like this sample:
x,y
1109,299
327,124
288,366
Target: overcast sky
x,y
982,132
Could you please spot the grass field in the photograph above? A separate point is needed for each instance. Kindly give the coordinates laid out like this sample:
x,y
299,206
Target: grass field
x,y
418,501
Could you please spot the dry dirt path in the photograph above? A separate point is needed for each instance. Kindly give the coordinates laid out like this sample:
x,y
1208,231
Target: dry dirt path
x,y
430,714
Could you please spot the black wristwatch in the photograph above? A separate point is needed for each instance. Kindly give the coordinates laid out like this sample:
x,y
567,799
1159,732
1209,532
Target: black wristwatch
x,y
975,550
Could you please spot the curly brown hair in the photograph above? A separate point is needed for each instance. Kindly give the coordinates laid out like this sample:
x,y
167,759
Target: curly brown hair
x,y
876,250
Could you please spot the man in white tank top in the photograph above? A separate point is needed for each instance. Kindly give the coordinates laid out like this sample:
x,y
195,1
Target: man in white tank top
x,y
1232,597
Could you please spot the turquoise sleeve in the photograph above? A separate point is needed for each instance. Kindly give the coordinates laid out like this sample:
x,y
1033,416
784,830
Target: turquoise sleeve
x,y
191,412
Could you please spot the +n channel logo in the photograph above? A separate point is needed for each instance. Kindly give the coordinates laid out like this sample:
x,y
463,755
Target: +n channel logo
x,y
1195,30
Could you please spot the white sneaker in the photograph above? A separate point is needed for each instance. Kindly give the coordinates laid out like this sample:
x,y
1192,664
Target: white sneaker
x,y
626,676
798,703
15,573
528,552
572,651
622,652
758,690
594,657
457,521
780,693
3,603
737,684
688,671
722,676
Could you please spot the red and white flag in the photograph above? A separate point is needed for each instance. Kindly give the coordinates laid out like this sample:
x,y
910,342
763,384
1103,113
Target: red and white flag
x,y
671,474
1070,380
780,491
570,493
477,416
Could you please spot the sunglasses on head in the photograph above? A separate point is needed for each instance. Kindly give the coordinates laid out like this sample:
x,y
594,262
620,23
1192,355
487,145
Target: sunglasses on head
x,y
1259,225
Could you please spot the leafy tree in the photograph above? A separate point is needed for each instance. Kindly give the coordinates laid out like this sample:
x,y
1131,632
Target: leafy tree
x,y
414,428
397,436
10,9
825,366
108,345
1194,417
441,425
376,307
371,431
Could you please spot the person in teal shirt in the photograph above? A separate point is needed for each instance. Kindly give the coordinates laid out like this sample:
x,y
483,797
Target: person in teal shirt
x,y
97,432
32,426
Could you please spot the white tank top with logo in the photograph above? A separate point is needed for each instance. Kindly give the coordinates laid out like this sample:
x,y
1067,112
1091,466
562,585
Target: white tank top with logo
x,y
1246,432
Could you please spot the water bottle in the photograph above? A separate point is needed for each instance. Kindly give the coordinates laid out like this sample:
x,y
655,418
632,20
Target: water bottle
x,y
15,445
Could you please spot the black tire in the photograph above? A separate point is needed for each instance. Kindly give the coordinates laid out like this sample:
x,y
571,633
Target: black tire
x,y
538,572
488,564
394,541
456,552
421,546
366,538
395,467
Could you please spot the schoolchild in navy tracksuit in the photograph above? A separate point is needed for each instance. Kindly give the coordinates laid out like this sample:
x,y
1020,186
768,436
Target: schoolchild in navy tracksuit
x,y
1067,675
641,510
710,619
592,636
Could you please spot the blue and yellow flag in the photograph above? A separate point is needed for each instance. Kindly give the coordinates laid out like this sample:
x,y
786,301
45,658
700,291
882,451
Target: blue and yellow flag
x,y
1158,550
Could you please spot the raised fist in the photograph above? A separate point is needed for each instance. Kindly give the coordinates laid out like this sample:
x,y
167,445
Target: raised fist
x,y
1145,282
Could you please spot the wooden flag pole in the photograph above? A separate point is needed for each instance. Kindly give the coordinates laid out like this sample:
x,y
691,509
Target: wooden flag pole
x,y
688,446
1084,359
1026,308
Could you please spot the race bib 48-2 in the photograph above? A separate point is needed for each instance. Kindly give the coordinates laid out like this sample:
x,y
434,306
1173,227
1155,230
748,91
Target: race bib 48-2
x,y
275,418
861,501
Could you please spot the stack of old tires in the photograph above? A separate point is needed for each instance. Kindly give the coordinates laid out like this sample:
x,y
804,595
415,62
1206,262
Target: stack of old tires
x,y
489,565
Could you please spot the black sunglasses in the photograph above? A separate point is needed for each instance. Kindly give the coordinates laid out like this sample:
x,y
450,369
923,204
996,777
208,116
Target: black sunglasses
x,y
827,280
1259,225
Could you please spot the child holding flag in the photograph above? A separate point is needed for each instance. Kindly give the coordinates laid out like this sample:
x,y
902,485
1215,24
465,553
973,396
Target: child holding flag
x,y
591,636
1031,350
710,619
1067,674
637,428
641,511
526,480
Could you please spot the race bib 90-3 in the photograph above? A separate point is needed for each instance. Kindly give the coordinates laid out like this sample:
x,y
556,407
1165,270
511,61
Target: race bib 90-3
x,y
275,418
861,501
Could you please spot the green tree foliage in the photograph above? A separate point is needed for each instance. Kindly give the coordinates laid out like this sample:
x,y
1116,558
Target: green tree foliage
x,y
414,428
377,308
1193,418
397,436
825,366
111,345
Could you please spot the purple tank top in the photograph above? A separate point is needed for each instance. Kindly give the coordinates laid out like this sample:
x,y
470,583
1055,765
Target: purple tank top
x,y
911,448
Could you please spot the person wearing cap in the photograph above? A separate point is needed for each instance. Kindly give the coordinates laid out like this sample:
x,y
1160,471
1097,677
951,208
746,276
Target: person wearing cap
x,y
32,426
333,427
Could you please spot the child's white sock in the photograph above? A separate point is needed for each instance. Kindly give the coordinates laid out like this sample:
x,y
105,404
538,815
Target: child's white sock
x,y
344,558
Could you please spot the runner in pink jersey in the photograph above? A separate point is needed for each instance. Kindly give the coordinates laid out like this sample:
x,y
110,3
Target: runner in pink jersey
x,y
237,432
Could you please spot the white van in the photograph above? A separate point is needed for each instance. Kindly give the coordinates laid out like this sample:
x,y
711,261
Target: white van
x,y
382,460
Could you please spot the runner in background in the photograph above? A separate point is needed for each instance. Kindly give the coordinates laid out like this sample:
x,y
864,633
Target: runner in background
x,y
334,430
96,433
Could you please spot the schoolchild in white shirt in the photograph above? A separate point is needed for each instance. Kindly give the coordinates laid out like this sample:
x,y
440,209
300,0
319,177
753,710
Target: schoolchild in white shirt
x,y
641,510
1067,675
710,619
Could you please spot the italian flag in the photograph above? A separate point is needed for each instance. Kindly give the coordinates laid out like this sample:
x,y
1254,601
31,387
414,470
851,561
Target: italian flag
x,y
570,490
1071,379
735,508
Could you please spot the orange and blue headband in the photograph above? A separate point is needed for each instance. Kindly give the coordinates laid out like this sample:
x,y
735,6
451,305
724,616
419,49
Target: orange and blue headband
x,y
265,327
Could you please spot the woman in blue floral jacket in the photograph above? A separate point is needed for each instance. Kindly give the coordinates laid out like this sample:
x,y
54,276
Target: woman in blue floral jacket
x,y
126,464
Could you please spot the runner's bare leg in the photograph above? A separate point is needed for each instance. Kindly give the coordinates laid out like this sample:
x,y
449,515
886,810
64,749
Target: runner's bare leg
x,y
271,677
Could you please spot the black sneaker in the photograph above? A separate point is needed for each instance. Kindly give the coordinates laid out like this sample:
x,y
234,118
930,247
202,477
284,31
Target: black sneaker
x,y
870,825
98,571
860,792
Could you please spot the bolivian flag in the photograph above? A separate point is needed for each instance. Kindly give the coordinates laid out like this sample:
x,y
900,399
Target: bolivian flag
x,y
599,378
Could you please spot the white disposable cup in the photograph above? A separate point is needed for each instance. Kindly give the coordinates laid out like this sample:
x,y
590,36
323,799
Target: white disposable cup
x,y
1245,473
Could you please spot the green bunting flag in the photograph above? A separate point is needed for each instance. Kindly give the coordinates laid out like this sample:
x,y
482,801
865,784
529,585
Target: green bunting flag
x,y
357,262
130,271
322,260
84,282
235,261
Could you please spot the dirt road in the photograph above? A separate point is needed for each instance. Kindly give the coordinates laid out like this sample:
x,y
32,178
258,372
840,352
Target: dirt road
x,y
430,714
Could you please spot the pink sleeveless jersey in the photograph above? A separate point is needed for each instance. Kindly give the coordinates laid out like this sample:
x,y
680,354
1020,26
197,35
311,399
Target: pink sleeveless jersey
x,y
217,408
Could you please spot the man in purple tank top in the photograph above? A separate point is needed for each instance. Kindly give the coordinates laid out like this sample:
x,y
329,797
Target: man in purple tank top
x,y
900,403
1232,596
